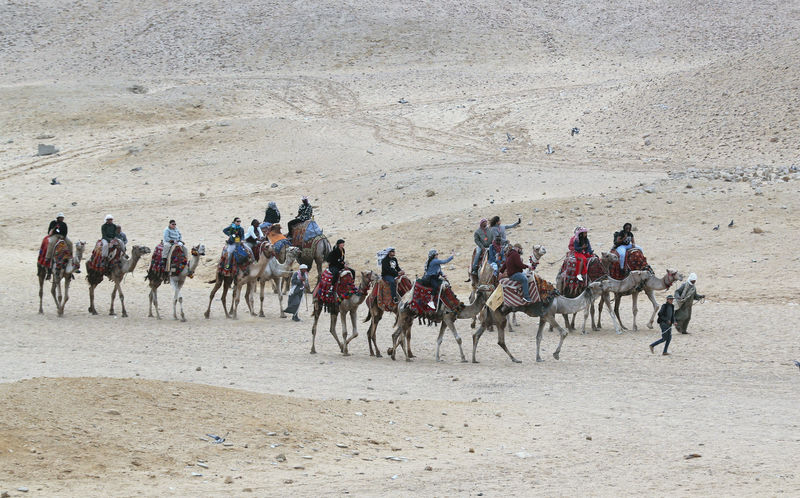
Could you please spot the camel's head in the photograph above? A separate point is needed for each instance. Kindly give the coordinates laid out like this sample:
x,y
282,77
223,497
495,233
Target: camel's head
x,y
369,277
140,250
79,247
675,275
199,250
538,251
292,253
609,257
484,288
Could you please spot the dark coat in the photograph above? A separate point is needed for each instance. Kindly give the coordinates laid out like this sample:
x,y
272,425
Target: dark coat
x,y
335,257
232,232
513,263
272,216
389,267
666,314
59,226
109,231
305,212
583,246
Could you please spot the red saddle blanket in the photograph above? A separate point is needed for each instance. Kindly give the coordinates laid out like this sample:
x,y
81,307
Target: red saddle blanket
x,y
237,264
158,263
115,253
383,293
572,287
43,251
345,287
61,254
634,260
540,290
422,300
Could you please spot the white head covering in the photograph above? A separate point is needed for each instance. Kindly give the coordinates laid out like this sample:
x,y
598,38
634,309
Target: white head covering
x,y
692,278
60,215
432,252
303,267
109,217
382,254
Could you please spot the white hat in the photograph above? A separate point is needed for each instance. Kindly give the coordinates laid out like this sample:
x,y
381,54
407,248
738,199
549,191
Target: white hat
x,y
60,215
109,217
303,267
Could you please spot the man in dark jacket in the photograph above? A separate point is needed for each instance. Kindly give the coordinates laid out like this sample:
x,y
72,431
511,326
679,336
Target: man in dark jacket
x,y
335,260
108,231
666,319
272,215
514,266
390,270
304,213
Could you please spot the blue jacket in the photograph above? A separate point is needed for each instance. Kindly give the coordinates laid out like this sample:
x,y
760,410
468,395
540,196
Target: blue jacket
x,y
435,266
233,231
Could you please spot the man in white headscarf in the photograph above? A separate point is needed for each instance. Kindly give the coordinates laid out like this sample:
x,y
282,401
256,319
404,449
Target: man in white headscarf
x,y
685,297
299,284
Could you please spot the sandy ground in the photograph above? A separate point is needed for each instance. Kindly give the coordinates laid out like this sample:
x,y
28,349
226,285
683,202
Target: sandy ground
x,y
687,117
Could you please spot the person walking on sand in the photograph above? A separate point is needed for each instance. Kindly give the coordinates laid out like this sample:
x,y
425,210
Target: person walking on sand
x,y
666,319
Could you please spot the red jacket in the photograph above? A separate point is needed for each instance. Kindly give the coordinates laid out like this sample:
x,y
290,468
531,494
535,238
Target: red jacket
x,y
513,263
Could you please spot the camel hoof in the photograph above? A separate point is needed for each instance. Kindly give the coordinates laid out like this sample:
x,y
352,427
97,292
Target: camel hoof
x,y
555,355
619,332
206,314
313,351
261,314
475,361
124,315
636,329
111,313
539,360
345,354
649,325
516,360
411,355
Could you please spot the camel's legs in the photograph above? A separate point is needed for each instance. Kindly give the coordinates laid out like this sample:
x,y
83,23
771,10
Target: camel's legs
x,y
449,324
41,289
514,319
635,297
439,338
261,284
399,338
113,296
121,299
605,297
501,339
55,290
600,311
652,296
250,298
154,299
65,296
225,287
334,316
280,302
563,334
92,310
354,322
617,301
372,332
317,311
177,297
217,285
476,336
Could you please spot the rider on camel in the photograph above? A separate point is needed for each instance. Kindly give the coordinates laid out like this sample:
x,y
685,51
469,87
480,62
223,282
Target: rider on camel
x,y
304,213
433,272
57,230
253,235
272,215
515,270
108,231
483,239
624,241
582,249
390,271
336,262
498,229
235,234
496,255
170,240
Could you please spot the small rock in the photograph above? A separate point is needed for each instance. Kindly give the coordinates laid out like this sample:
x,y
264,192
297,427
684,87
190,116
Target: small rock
x,y
137,168
588,438
197,474
198,369
112,412
472,450
647,141
46,150
280,458
692,455
288,481
247,490
523,454
228,480
758,230
274,185
201,464
340,445
773,139
137,89
45,137
429,193
299,467
428,468
4,494
650,189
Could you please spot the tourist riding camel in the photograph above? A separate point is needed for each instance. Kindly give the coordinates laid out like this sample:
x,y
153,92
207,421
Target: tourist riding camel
x,y
336,263
499,229
685,297
497,255
433,272
391,271
57,230
253,234
171,240
272,215
582,249
623,241
514,267
235,234
304,213
122,237
108,232
483,239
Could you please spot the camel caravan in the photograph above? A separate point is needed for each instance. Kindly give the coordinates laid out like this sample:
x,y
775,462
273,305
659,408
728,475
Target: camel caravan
x,y
502,285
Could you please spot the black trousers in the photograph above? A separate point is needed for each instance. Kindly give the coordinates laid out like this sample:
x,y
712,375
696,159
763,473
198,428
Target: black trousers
x,y
666,336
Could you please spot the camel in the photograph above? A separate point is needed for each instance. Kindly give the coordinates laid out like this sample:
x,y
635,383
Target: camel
x,y
405,319
266,268
276,272
125,265
651,284
546,314
321,250
66,273
374,317
606,260
176,281
224,281
343,308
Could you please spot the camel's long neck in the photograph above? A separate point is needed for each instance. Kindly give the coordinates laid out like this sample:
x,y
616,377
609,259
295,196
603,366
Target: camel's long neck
x,y
192,266
472,309
74,263
131,262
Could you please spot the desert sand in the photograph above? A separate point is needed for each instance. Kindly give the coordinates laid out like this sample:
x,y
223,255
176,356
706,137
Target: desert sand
x,y
404,124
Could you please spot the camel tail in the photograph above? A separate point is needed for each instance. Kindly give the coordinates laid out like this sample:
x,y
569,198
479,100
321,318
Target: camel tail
x,y
212,281
368,318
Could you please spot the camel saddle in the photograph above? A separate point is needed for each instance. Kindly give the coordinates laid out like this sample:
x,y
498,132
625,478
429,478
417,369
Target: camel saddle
x,y
330,297
61,254
307,235
158,263
422,297
541,291
634,260
382,293
115,254
569,272
240,261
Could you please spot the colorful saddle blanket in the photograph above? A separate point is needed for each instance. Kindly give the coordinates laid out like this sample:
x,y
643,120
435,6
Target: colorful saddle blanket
x,y
115,253
383,293
240,261
304,233
43,251
569,272
345,287
634,260
61,254
422,300
540,290
158,262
